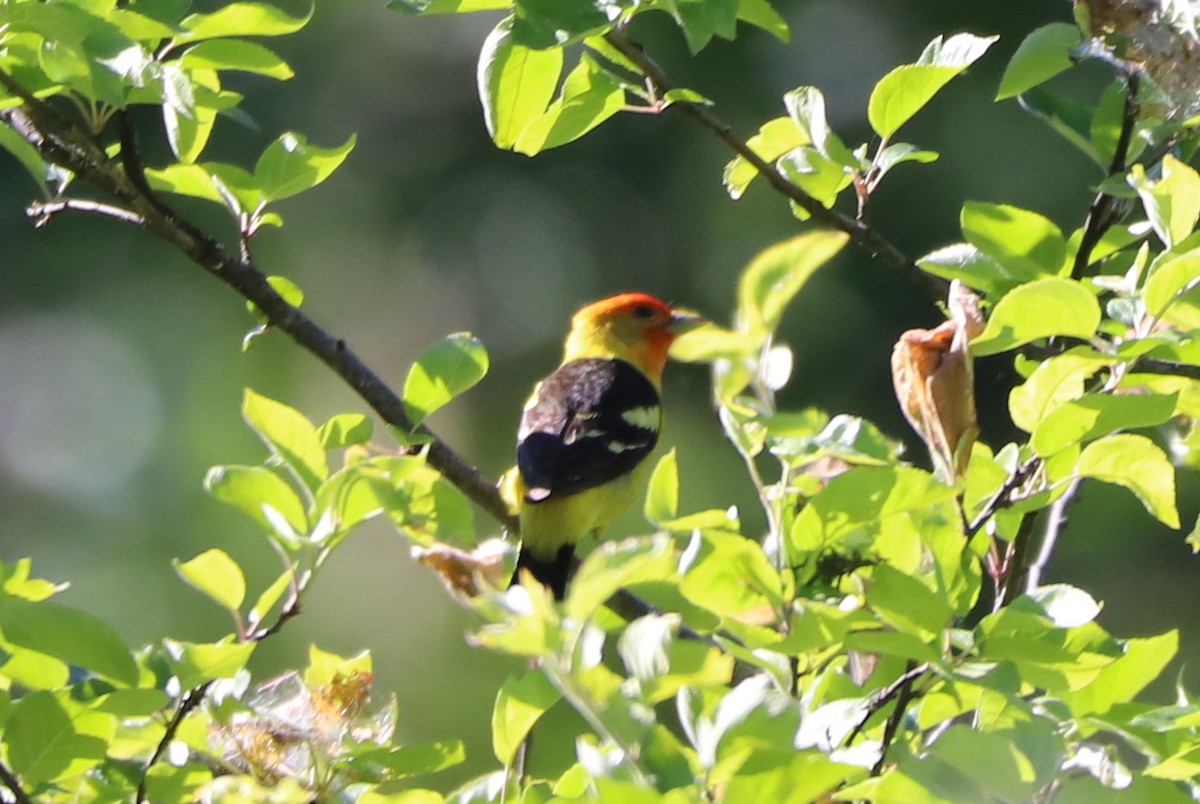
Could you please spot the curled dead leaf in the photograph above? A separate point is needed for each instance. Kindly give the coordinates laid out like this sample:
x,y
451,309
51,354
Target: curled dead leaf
x,y
935,383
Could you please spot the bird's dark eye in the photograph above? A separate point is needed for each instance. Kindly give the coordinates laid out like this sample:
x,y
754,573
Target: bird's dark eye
x,y
643,311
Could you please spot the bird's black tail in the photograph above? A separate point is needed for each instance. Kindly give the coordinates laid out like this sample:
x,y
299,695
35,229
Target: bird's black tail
x,y
552,572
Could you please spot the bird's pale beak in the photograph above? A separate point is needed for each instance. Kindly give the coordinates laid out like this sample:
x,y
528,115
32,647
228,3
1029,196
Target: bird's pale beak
x,y
684,321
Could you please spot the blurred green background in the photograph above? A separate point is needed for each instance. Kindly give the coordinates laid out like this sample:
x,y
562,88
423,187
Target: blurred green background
x,y
121,370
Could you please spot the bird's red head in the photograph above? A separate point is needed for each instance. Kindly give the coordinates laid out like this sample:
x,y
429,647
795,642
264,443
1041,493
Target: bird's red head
x,y
632,326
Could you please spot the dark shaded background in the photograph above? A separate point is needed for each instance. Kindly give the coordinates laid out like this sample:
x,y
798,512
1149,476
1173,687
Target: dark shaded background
x,y
121,369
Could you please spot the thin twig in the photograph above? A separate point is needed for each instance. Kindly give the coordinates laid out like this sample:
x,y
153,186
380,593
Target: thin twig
x,y
1104,209
13,785
189,702
903,696
1002,498
860,232
45,211
1150,365
1056,523
885,695
1016,564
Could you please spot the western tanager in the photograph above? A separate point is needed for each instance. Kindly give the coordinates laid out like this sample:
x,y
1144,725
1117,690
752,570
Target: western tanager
x,y
588,428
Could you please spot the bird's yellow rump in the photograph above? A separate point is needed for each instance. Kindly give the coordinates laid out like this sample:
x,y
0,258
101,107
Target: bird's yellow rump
x,y
588,428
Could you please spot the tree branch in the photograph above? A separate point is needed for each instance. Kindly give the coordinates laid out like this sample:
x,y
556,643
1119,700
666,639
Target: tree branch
x,y
13,785
190,701
44,212
885,696
60,142
1104,209
860,232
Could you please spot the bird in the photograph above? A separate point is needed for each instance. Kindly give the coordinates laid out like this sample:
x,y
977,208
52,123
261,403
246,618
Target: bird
x,y
587,429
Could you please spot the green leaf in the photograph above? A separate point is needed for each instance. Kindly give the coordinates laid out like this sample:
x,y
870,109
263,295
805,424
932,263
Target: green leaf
x,y
1043,54
1069,118
1053,382
901,152
215,574
520,703
73,636
258,491
906,603
1039,309
971,266
42,741
324,667
590,95
662,495
1094,415
1005,774
289,435
195,663
1122,680
773,140
1065,605
25,153
270,596
35,670
1024,242
551,23
1173,202
516,83
905,90
189,180
344,430
777,274
891,643
446,369
615,565
290,165
729,575
1170,280
1138,464
761,14
236,54
410,759
242,19
816,174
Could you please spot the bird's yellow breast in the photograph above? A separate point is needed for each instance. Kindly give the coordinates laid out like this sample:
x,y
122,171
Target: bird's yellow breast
x,y
547,525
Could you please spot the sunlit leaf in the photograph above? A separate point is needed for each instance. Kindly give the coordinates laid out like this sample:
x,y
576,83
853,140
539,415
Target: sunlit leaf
x,y
253,489
1039,309
662,495
1095,415
289,434
68,634
243,19
516,83
905,90
215,574
520,703
236,54
445,370
194,663
1026,243
778,273
1173,202
290,165
1138,464
42,741
344,430
1043,54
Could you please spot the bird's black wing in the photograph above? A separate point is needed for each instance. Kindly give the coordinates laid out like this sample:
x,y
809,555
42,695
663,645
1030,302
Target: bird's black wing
x,y
589,422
